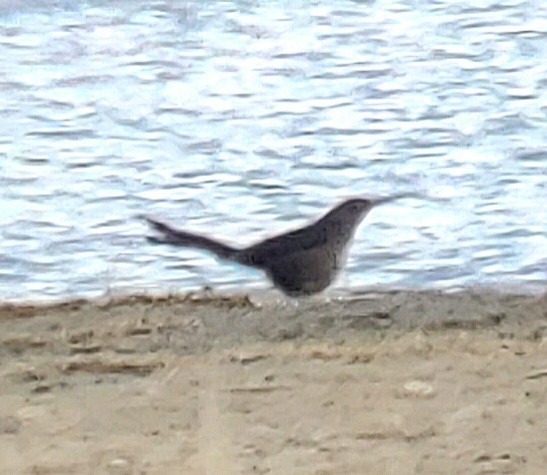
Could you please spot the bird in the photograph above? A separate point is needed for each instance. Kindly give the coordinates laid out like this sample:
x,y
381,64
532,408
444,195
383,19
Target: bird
x,y
300,262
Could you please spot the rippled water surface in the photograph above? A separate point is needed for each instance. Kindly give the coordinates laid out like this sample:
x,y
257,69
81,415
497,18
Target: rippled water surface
x,y
241,119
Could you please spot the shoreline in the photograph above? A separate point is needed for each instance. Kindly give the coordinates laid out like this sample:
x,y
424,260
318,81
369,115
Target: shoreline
x,y
375,382
320,316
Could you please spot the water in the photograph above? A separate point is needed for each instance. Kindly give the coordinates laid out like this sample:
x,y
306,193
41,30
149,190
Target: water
x,y
232,118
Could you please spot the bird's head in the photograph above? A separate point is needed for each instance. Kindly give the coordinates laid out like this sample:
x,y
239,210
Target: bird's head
x,y
344,218
353,210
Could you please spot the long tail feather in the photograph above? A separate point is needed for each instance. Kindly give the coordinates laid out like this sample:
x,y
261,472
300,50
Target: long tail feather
x,y
177,237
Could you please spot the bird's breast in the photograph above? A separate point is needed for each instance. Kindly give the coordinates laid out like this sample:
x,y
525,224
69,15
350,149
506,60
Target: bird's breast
x,y
307,272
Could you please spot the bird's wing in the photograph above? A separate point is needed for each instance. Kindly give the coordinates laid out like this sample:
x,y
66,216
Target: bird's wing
x,y
284,245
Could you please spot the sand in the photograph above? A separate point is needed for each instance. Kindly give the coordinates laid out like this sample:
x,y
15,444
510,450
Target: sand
x,y
379,383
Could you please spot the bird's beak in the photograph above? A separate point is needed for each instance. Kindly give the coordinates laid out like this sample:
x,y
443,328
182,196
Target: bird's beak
x,y
387,199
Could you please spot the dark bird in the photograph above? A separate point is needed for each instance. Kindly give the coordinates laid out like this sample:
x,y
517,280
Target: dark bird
x,y
300,262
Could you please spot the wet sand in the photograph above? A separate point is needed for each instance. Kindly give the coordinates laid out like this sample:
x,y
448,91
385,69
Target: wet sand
x,y
378,382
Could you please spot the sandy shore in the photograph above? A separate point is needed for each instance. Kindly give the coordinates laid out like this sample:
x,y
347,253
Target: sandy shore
x,y
383,383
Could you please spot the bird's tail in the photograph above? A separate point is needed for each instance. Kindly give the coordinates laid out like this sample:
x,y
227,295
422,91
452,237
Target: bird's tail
x,y
176,237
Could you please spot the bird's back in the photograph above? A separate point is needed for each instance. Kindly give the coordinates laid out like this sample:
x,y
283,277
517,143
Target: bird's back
x,y
284,245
